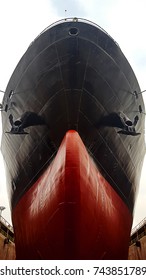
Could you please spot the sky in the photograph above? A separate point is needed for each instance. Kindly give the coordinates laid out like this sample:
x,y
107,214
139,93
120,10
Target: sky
x,y
22,20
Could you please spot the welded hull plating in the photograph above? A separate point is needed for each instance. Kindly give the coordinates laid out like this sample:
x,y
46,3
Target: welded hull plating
x,y
73,145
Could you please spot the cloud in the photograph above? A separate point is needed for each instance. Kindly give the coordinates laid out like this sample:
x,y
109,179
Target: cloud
x,y
74,8
20,23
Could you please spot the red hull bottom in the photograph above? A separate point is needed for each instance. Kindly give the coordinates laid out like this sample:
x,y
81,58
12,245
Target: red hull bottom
x,y
71,212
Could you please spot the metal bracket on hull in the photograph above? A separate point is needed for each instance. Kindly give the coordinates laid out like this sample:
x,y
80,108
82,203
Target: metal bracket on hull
x,y
19,132
132,133
135,93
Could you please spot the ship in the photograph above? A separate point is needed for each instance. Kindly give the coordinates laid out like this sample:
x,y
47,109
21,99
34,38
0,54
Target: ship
x,y
73,145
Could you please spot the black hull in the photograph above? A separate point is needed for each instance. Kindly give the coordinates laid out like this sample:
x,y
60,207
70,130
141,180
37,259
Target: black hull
x,y
75,76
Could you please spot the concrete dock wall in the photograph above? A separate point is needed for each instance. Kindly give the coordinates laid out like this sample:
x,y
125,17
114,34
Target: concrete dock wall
x,y
137,251
7,250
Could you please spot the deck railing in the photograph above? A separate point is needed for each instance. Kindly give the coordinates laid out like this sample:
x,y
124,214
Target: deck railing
x,y
2,220
137,227
74,19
